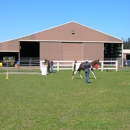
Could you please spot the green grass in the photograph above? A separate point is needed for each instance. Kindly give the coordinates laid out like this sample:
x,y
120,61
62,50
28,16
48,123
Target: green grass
x,y
56,102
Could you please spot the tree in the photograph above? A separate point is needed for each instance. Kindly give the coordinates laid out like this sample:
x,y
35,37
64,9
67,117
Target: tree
x,y
126,43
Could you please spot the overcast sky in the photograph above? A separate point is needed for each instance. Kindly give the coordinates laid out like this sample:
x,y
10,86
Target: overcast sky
x,y
19,18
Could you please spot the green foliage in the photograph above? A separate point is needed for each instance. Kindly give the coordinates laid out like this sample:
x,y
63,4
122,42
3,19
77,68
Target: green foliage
x,y
126,43
9,58
56,102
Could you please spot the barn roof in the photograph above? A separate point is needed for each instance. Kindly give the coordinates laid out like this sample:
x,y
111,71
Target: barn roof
x,y
72,32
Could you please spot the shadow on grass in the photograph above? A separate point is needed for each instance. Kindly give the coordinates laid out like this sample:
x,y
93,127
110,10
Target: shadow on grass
x,y
89,78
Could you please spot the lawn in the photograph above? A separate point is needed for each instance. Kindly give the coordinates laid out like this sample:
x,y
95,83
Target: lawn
x,y
56,102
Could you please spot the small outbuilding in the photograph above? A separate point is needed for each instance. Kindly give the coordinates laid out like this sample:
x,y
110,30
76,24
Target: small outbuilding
x,y
70,41
126,54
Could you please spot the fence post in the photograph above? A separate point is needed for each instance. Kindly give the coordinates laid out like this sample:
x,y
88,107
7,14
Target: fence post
x,y
57,66
102,66
116,65
41,65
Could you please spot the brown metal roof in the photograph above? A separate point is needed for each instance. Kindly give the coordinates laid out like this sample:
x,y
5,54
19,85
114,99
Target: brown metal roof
x,y
71,32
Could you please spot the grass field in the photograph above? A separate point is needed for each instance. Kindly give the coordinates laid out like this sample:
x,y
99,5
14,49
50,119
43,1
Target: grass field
x,y
56,102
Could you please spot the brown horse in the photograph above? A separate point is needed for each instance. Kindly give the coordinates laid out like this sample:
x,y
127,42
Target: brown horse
x,y
47,62
80,66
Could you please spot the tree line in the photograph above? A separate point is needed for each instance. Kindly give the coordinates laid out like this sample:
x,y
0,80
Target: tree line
x,y
126,43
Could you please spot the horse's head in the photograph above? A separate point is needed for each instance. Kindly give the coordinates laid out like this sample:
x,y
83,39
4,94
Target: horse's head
x,y
98,62
45,61
93,63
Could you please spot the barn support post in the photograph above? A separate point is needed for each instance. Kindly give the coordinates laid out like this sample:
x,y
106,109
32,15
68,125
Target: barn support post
x,y
19,61
122,54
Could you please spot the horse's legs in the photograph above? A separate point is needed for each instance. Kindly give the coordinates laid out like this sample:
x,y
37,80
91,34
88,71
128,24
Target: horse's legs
x,y
73,73
80,74
93,74
48,69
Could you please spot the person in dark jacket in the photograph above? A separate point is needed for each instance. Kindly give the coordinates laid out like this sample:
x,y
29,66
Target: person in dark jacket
x,y
87,68
51,65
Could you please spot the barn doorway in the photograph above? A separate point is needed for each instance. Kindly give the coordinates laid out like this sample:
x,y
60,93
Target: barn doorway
x,y
127,57
8,59
29,53
113,51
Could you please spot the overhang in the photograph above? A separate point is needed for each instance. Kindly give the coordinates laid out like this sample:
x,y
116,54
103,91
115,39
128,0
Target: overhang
x,y
9,50
126,51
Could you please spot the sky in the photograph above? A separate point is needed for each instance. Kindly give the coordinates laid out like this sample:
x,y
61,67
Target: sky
x,y
20,18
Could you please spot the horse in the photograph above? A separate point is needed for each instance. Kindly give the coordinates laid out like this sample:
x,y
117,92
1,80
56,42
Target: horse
x,y
80,66
47,62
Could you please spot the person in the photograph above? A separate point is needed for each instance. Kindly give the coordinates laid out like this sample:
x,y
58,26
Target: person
x,y
18,63
51,65
87,68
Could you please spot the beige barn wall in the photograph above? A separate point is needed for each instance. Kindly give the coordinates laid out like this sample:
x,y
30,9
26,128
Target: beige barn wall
x,y
50,50
72,51
10,46
93,51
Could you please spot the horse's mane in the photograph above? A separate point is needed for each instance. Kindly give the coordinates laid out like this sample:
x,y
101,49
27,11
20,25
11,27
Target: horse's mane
x,y
46,62
93,63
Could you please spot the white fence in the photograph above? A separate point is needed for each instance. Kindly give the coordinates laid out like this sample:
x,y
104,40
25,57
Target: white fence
x,y
68,65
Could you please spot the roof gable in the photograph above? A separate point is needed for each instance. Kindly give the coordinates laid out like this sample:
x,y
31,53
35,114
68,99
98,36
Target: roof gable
x,y
72,32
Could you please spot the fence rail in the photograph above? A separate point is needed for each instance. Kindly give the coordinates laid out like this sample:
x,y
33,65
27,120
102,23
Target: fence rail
x,y
68,65
36,66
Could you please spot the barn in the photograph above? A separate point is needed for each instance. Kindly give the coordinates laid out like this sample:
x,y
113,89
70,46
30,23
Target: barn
x,y
70,41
